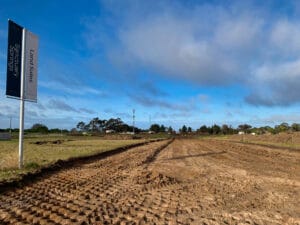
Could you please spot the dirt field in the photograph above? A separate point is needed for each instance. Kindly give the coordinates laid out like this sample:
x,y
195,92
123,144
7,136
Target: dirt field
x,y
284,139
43,150
188,182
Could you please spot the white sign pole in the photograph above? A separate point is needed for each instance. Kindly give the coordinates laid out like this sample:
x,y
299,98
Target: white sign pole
x,y
21,80
22,102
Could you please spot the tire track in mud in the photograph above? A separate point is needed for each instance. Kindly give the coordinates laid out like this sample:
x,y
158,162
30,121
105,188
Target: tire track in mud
x,y
285,163
167,182
63,164
229,187
98,192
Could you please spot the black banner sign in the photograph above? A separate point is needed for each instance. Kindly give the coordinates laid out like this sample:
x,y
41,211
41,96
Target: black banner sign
x,y
14,56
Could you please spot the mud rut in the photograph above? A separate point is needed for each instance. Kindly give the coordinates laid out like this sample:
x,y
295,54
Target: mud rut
x,y
183,182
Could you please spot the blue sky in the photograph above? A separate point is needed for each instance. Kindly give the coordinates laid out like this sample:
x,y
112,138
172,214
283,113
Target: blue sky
x,y
174,62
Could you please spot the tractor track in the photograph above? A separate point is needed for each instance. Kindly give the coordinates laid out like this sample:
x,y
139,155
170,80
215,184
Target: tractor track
x,y
63,164
166,182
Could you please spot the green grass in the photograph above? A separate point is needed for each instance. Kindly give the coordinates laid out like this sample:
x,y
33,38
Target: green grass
x,y
36,156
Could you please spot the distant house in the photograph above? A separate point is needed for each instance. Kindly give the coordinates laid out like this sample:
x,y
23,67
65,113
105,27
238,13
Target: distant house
x,y
253,133
241,132
109,131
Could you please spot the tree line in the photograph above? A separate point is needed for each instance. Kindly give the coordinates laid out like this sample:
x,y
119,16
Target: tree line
x,y
97,125
112,124
37,128
227,129
246,128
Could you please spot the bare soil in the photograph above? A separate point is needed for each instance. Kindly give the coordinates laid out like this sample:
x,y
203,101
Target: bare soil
x,y
184,182
283,138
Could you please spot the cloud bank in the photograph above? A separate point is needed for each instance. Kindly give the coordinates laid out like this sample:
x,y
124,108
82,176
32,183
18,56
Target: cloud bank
x,y
251,44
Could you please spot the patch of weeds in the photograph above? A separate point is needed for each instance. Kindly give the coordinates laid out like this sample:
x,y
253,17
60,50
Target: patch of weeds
x,y
32,165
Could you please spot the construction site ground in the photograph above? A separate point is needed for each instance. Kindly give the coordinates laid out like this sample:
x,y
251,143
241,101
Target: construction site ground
x,y
182,181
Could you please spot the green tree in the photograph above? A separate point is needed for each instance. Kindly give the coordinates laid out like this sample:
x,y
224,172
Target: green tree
x,y
170,130
155,128
225,129
203,129
282,127
81,126
244,127
101,125
162,128
183,129
55,130
114,124
93,124
269,129
189,130
215,129
40,128
295,127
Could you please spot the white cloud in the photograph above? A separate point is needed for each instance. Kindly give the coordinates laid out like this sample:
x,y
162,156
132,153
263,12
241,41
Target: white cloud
x,y
46,111
60,105
276,84
80,90
284,71
279,118
239,33
285,36
207,45
275,118
210,44
163,104
170,45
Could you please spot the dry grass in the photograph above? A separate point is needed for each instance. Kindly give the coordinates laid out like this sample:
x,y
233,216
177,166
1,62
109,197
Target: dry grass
x,y
283,140
38,155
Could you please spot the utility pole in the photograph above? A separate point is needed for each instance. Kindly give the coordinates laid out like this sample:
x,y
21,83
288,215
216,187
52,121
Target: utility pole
x,y
133,120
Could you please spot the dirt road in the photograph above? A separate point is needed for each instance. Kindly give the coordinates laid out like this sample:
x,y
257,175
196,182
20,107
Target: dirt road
x,y
188,182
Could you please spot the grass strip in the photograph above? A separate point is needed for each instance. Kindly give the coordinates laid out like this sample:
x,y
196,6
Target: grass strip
x,y
39,153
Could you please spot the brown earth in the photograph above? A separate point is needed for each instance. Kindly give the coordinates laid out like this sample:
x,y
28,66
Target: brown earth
x,y
283,138
188,182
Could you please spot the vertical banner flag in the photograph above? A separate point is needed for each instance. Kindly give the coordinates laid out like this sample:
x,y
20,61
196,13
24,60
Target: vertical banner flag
x,y
14,52
14,57
31,54
21,74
